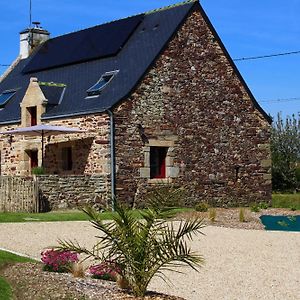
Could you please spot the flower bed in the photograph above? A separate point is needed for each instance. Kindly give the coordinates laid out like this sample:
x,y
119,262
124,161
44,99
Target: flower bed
x,y
58,261
107,270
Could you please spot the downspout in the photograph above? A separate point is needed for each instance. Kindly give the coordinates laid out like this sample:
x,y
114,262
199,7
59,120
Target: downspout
x,y
112,159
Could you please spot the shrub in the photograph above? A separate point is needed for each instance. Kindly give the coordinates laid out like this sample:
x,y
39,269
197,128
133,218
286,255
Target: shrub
x,y
58,260
285,148
202,207
143,246
263,205
169,195
254,207
212,214
107,270
38,171
297,172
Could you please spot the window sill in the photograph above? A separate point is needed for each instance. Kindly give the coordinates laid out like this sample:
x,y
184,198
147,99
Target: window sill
x,y
159,180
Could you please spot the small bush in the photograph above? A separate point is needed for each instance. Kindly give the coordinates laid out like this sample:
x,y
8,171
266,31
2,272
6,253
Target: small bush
x,y
202,206
254,207
58,261
107,270
297,172
242,217
212,214
263,205
38,171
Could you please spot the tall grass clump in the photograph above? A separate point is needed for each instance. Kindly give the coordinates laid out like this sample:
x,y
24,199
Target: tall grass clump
x,y
212,214
242,217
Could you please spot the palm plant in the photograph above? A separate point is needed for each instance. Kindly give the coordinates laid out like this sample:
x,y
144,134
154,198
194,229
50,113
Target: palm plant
x,y
144,246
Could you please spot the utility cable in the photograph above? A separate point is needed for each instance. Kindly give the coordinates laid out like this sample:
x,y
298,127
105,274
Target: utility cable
x,y
280,100
266,56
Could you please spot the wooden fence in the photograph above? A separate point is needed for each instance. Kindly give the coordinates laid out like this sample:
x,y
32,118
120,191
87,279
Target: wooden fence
x,y
19,194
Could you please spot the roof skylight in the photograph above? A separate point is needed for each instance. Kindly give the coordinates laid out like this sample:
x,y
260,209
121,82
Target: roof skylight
x,y
105,79
5,97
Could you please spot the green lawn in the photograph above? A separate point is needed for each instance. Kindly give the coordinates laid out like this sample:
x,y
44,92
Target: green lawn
x,y
43,217
73,215
7,257
279,200
286,200
5,290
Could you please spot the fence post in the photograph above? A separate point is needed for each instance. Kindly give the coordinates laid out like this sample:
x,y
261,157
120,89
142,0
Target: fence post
x,y
36,193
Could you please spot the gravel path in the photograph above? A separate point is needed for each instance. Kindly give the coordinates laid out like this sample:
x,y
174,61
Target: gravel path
x,y
240,264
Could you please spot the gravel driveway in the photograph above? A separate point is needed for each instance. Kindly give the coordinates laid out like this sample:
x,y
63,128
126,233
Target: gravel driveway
x,y
240,264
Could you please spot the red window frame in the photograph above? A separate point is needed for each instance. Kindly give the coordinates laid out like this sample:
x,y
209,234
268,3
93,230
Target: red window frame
x,y
33,115
158,157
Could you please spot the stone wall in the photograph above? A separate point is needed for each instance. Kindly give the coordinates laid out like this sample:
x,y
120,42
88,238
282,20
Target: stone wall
x,y
90,150
68,192
193,97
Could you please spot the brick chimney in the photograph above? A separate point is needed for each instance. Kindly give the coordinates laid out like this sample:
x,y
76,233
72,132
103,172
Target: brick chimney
x,y
30,38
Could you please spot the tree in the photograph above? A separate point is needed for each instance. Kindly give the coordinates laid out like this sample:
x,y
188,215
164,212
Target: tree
x,y
285,147
142,246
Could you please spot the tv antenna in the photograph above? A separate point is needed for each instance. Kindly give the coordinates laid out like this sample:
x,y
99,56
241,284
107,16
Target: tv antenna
x,y
30,13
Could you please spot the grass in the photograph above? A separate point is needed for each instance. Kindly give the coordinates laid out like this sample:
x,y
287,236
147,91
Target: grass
x,y
70,215
8,217
279,201
286,201
6,258
5,290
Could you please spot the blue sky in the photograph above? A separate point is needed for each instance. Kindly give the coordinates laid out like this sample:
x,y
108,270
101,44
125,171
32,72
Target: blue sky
x,y
247,28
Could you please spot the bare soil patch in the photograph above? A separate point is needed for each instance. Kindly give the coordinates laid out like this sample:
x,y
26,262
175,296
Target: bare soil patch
x,y
229,217
30,282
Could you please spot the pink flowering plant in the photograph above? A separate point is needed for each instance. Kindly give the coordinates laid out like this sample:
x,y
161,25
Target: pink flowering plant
x,y
107,270
58,260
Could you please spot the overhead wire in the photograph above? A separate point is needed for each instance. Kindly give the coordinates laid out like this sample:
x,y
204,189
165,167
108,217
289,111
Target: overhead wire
x,y
267,56
280,100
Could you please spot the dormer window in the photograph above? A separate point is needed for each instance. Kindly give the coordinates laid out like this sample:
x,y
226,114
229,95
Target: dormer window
x,y
105,79
5,97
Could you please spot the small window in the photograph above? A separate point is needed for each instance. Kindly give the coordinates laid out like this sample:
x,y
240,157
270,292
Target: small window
x,y
67,159
105,79
5,97
33,115
158,162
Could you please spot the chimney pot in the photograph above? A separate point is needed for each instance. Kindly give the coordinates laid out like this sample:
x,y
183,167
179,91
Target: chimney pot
x,y
30,38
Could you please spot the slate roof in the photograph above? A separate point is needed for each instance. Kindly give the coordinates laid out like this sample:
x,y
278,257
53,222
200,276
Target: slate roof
x,y
132,61
133,54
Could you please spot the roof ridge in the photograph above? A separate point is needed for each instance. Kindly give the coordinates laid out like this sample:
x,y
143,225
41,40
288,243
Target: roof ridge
x,y
170,6
105,23
10,68
138,14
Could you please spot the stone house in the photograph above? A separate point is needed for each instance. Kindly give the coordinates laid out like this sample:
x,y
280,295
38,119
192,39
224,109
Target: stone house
x,y
160,99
